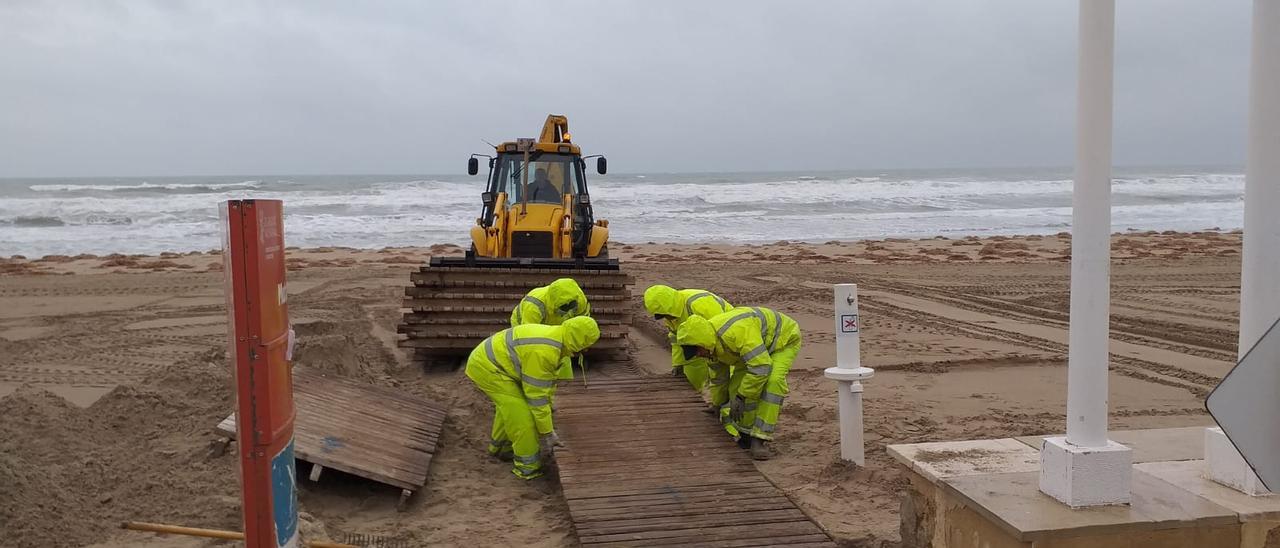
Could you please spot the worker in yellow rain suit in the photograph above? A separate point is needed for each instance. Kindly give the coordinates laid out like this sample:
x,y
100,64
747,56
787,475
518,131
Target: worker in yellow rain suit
x,y
516,368
673,306
552,304
759,345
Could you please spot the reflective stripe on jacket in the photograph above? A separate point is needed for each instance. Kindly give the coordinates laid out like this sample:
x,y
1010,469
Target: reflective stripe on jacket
x,y
746,336
528,355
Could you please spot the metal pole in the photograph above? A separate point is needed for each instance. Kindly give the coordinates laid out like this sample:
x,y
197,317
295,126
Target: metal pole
x,y
852,445
848,373
211,533
1260,268
1091,230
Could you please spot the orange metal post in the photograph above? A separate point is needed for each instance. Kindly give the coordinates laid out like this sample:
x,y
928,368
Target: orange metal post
x,y
253,255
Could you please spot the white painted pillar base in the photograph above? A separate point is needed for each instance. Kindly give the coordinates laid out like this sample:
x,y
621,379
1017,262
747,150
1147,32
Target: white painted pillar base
x,y
1085,476
1224,465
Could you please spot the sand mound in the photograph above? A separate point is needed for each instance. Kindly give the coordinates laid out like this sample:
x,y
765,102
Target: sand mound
x,y
70,475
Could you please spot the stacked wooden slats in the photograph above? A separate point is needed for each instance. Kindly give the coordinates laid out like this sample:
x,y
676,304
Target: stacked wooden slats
x,y
644,466
451,309
369,431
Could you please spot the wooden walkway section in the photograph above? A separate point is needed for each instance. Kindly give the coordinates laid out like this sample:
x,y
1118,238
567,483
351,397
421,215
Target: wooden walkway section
x,y
369,431
644,466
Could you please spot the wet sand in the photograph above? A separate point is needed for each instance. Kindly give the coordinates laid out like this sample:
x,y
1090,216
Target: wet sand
x,y
112,375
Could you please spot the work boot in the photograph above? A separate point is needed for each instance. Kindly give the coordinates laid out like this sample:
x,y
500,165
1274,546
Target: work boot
x,y
758,449
744,441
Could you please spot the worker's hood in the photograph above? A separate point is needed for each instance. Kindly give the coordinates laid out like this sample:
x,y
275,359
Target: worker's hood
x,y
697,331
580,333
567,299
662,300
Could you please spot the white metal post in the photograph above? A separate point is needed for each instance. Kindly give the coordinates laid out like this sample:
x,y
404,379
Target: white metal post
x,y
1084,468
1260,261
1091,230
848,372
1260,267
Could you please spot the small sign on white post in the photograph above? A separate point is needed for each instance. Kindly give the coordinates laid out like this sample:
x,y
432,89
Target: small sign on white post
x,y
848,372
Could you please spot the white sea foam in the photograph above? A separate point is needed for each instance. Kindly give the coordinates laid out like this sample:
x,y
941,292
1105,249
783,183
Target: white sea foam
x,y
151,215
144,186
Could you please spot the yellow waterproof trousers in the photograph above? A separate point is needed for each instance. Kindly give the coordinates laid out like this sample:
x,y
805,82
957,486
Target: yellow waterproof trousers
x,y
760,419
513,431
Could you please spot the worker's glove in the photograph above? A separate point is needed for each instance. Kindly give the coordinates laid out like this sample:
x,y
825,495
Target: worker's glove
x,y
552,440
737,407
677,371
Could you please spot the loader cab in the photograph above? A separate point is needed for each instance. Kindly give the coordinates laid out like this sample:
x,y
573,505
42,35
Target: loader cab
x,y
551,176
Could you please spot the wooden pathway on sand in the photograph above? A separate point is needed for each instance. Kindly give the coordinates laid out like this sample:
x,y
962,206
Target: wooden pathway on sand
x,y
644,466
374,432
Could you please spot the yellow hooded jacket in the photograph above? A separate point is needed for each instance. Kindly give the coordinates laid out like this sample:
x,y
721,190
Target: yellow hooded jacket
x,y
679,305
551,304
529,355
743,337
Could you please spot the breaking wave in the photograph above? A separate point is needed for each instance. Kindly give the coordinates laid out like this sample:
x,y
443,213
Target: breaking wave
x,y
148,215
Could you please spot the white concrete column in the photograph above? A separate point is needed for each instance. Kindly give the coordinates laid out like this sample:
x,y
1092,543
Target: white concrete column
x,y
1260,262
1091,230
848,373
1085,468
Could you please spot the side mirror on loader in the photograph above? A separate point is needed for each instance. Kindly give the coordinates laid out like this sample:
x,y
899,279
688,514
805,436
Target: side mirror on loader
x,y
473,166
602,165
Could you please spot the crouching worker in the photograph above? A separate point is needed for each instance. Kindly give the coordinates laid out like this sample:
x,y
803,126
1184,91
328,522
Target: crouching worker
x,y
552,304
672,307
758,345
516,368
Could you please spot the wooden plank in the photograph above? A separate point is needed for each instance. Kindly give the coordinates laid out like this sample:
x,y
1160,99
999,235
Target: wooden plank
x,y
817,540
723,505
680,536
316,440
692,495
369,431
644,465
745,520
576,491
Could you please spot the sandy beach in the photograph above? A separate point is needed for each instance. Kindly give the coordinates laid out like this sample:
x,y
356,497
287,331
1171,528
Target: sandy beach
x,y
112,375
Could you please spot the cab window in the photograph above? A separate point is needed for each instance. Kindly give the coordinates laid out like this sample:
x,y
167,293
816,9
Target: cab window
x,y
550,177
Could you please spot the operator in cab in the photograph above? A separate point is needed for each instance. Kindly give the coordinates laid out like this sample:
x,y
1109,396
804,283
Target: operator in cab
x,y
541,189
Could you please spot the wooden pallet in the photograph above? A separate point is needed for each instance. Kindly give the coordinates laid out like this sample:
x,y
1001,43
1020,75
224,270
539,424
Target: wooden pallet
x,y
369,431
644,466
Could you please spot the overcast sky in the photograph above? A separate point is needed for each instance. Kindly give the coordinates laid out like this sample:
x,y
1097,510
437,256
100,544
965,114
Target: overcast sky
x,y
245,87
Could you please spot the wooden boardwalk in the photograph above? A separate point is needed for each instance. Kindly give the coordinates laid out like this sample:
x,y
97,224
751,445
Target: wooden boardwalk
x,y
369,431
644,466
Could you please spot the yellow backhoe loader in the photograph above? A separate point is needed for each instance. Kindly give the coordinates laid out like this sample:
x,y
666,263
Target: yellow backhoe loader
x,y
536,224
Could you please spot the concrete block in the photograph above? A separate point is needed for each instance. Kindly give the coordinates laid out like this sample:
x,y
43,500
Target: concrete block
x,y
947,459
1159,513
1086,476
1224,465
1149,445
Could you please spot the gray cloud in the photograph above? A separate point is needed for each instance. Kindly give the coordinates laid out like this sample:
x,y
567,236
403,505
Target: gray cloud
x,y
241,87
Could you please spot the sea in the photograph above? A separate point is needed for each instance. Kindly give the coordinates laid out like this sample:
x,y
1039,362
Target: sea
x,y
68,216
